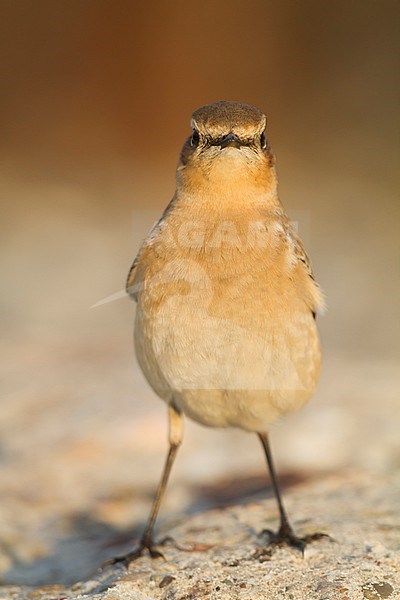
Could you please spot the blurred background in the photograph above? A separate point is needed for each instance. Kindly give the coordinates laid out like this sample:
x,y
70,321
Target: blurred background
x,y
96,98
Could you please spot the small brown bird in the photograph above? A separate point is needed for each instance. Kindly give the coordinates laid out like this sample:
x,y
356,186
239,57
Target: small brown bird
x,y
225,328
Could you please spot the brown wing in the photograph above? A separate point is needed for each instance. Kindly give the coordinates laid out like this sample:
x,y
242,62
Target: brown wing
x,y
130,280
134,281
317,297
302,255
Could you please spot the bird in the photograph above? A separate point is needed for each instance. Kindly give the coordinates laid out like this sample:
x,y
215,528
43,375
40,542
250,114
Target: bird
x,y
225,327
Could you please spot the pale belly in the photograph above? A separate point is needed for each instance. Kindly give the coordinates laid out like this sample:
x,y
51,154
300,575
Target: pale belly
x,y
223,370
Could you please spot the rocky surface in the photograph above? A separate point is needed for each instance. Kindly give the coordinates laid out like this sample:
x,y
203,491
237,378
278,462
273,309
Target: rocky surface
x,y
222,554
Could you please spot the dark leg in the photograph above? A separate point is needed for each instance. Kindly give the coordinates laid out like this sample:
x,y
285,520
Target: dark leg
x,y
285,534
147,542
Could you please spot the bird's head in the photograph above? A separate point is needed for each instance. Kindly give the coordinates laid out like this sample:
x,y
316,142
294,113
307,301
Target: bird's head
x,y
228,144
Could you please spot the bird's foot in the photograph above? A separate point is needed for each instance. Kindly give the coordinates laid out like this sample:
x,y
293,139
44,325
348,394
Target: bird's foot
x,y
145,545
187,546
286,537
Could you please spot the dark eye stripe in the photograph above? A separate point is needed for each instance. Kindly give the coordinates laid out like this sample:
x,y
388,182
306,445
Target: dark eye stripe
x,y
194,140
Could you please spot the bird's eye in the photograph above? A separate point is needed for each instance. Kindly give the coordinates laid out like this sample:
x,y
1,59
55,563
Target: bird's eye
x,y
194,140
263,140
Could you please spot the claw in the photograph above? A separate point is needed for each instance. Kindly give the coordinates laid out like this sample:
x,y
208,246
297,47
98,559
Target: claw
x,y
126,559
155,553
286,537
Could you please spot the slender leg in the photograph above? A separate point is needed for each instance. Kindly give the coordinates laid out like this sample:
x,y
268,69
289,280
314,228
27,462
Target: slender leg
x,y
285,534
147,542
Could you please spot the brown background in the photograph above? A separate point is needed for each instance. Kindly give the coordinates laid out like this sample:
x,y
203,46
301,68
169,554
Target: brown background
x,y
95,102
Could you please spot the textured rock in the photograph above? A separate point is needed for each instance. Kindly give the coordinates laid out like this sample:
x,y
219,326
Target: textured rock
x,y
217,558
